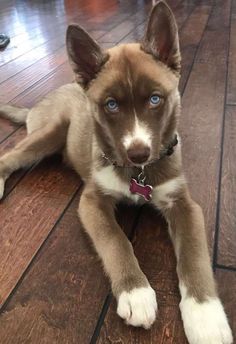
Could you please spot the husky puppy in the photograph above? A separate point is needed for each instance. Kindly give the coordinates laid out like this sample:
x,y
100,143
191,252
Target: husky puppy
x,y
117,127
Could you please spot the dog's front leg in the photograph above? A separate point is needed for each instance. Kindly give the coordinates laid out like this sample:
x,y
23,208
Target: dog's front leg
x,y
203,315
136,299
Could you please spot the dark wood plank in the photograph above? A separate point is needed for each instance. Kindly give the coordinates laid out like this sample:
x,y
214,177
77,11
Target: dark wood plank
x,y
227,232
31,75
28,216
62,75
121,12
182,12
123,29
202,115
15,51
231,89
190,37
135,35
24,61
6,128
41,32
62,294
38,20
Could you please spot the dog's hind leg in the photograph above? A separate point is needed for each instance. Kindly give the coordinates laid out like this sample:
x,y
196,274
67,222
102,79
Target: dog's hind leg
x,y
37,145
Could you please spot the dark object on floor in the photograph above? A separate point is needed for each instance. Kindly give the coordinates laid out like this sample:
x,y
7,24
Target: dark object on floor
x,y
4,40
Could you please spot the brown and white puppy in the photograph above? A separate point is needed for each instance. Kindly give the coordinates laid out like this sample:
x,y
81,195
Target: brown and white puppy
x,y
125,105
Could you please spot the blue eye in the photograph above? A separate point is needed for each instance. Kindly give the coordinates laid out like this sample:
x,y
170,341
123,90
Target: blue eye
x,y
154,100
112,105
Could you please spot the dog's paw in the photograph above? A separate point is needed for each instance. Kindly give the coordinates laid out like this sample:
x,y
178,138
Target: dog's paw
x,y
138,307
2,184
205,323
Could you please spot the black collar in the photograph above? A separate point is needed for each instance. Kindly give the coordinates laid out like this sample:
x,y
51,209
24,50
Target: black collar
x,y
168,151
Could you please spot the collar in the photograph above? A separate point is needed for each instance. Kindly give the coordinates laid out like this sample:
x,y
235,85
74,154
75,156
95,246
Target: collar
x,y
167,151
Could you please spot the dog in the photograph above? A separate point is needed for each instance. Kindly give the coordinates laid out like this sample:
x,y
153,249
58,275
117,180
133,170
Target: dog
x,y
117,127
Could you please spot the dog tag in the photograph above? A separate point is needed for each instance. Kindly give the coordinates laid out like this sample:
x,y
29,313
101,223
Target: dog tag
x,y
140,189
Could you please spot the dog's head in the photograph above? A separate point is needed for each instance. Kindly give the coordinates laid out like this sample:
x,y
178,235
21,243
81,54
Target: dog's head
x,y
134,87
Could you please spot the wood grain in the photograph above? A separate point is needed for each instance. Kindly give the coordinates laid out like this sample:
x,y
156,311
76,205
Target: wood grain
x,y
202,115
28,216
33,74
11,53
123,29
181,14
227,232
231,89
190,36
62,75
26,60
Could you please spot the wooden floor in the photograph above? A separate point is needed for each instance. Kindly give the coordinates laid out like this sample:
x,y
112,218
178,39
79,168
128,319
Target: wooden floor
x,y
52,287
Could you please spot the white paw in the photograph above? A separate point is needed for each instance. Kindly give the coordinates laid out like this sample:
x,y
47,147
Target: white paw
x,y
2,184
205,323
138,307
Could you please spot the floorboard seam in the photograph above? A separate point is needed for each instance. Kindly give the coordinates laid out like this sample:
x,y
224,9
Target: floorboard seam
x,y
230,104
11,133
39,81
29,51
218,199
24,174
225,267
75,19
198,47
120,40
101,318
33,63
109,296
17,285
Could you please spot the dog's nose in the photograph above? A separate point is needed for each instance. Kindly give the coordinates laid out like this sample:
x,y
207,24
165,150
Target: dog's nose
x,y
139,154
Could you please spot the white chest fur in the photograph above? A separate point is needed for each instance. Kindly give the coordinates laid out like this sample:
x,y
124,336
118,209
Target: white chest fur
x,y
112,184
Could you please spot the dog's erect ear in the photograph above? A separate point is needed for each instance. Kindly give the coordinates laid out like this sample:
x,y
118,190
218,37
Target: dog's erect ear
x,y
161,38
85,55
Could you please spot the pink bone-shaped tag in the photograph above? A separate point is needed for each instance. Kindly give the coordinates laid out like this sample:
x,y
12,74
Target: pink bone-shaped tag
x,y
142,190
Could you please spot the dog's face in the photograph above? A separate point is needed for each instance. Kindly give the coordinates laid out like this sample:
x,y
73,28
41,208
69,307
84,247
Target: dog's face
x,y
134,87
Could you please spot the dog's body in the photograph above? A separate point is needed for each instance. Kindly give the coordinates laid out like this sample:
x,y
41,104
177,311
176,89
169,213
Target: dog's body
x,y
120,115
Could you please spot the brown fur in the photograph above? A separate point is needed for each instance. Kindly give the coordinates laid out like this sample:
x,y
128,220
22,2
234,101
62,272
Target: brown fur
x,y
187,230
74,119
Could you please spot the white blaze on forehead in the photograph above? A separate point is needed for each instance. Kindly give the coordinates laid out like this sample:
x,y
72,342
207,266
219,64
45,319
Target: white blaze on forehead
x,y
140,132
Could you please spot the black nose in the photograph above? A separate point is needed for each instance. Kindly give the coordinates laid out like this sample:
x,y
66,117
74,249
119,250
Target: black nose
x,y
138,154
